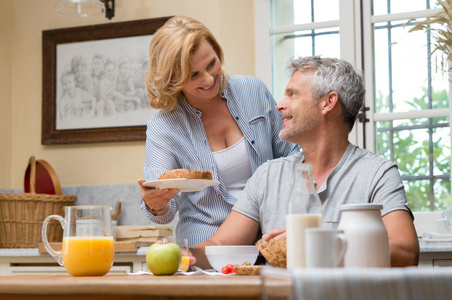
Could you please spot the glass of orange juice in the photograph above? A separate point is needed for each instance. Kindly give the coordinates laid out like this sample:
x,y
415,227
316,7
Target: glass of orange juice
x,y
185,261
87,248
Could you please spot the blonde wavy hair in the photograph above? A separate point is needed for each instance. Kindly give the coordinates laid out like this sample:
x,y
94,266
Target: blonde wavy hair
x,y
169,60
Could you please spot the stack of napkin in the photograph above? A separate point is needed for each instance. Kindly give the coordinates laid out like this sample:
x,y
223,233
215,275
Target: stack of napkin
x,y
432,237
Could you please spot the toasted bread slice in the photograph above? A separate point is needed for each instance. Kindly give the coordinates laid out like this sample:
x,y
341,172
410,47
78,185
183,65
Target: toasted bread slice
x,y
283,246
247,270
184,173
273,251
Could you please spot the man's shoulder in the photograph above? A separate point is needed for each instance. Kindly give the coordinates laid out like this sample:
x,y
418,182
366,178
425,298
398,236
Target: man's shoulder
x,y
282,163
367,156
366,162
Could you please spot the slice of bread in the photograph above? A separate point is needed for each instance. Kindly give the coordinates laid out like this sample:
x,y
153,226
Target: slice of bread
x,y
274,251
188,174
247,270
282,246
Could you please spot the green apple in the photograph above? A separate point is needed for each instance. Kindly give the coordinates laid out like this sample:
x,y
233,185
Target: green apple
x,y
163,259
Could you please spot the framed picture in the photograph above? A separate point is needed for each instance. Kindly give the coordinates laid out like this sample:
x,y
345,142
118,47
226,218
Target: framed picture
x,y
93,87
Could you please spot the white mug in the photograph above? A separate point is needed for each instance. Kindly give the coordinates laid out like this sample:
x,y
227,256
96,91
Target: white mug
x,y
324,248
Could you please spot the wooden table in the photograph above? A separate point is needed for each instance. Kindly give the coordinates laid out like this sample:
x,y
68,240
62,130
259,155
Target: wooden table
x,y
132,287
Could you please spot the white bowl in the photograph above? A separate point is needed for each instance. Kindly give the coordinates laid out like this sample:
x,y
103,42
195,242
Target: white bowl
x,y
220,256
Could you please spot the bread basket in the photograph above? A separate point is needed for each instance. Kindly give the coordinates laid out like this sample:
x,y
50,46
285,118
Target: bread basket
x,y
22,214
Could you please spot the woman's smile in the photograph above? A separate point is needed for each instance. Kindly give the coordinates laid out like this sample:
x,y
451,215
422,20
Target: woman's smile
x,y
210,87
204,83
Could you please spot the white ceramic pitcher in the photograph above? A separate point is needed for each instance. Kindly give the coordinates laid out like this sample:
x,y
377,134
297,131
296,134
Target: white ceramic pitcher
x,y
366,235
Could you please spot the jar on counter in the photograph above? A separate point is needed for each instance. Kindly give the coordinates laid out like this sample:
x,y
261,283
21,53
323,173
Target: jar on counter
x,y
367,238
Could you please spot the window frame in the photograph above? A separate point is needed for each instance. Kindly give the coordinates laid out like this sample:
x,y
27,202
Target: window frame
x,y
356,47
350,44
368,21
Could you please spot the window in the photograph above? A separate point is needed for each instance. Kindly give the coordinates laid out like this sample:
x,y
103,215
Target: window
x,y
298,28
407,95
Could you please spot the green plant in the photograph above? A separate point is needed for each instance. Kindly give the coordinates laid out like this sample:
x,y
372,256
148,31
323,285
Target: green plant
x,y
439,26
397,143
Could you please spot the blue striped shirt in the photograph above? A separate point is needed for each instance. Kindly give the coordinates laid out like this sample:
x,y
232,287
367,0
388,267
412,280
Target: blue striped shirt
x,y
178,140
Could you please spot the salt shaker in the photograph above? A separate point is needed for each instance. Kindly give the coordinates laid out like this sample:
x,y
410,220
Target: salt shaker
x,y
367,238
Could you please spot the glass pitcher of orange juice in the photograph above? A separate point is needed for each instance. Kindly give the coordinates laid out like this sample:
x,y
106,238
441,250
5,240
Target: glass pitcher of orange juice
x,y
87,248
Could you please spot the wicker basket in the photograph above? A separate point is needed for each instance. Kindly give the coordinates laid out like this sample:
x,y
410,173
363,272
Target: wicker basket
x,y
22,215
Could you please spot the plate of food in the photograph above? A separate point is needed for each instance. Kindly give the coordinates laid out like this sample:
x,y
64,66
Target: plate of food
x,y
184,180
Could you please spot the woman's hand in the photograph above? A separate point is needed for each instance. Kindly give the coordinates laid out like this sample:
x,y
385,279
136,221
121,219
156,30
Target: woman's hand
x,y
156,199
190,255
276,233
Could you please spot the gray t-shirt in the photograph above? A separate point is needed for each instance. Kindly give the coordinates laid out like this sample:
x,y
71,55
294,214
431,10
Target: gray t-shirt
x,y
360,177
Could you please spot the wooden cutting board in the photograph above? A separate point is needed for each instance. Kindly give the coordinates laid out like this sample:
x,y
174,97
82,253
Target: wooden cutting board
x,y
130,237
142,232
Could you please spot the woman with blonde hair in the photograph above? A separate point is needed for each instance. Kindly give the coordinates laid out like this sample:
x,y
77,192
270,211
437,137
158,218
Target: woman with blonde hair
x,y
209,121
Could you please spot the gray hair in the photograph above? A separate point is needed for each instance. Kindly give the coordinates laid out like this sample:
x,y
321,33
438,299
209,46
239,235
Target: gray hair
x,y
334,75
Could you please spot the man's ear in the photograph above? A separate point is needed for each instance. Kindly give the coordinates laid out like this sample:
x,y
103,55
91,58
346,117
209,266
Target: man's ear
x,y
329,102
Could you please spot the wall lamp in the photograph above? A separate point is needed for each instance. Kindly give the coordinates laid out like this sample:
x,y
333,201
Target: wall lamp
x,y
86,8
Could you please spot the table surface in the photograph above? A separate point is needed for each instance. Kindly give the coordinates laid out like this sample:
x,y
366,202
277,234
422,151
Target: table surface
x,y
130,287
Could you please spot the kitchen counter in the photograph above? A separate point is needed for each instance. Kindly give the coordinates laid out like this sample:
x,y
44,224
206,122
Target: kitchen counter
x,y
29,261
435,246
435,254
116,286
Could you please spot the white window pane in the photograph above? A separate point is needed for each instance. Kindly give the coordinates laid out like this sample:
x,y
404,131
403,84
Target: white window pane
x,y
302,12
404,55
323,42
289,12
416,145
325,10
380,7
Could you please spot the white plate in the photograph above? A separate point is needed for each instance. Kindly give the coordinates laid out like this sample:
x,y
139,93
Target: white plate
x,y
183,184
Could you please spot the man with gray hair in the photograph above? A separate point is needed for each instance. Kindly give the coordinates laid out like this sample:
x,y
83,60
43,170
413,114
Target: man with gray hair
x,y
321,103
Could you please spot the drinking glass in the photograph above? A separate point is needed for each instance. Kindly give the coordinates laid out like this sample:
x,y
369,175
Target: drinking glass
x,y
185,261
88,248
183,245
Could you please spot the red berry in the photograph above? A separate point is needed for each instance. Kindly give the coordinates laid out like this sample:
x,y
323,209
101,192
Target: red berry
x,y
225,270
231,268
228,269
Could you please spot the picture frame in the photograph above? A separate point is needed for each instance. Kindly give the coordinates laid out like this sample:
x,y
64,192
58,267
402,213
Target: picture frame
x,y
93,82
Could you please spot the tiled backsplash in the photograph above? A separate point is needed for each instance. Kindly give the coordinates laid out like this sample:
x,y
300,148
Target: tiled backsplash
x,y
128,194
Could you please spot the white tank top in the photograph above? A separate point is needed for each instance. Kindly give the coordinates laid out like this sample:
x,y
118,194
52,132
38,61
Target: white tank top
x,y
234,166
